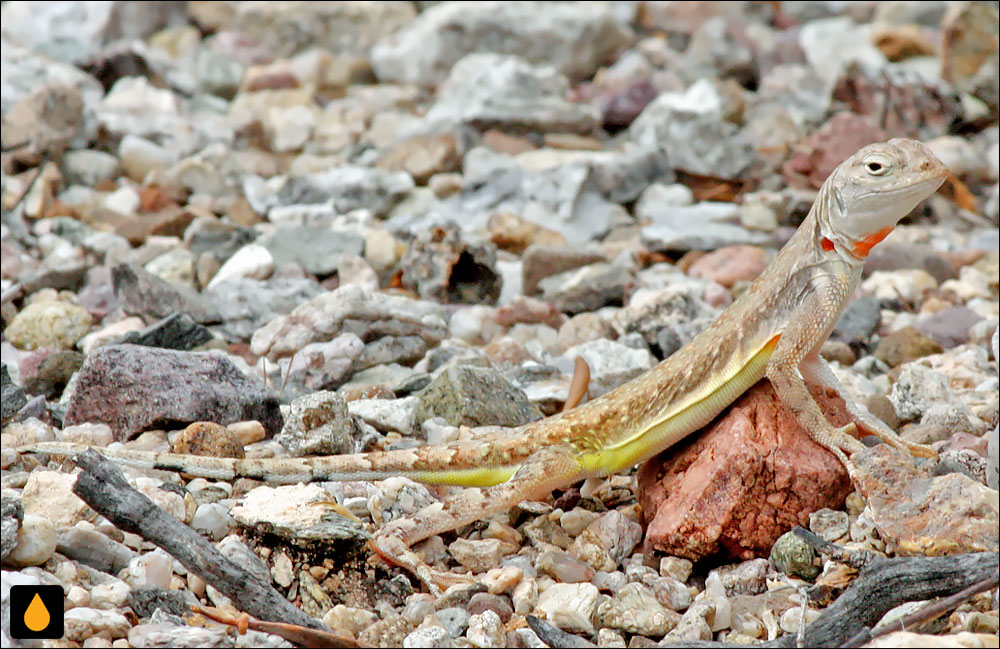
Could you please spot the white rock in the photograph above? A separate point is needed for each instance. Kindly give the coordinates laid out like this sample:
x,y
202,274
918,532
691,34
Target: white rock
x,y
36,542
212,520
89,434
486,630
110,595
83,622
387,414
907,285
829,44
525,595
479,555
123,200
50,494
151,570
252,260
569,607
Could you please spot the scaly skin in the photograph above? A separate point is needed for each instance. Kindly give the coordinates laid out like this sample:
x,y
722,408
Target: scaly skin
x,y
774,330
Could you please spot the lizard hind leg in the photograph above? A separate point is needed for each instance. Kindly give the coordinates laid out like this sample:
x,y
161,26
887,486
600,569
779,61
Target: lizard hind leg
x,y
547,469
816,370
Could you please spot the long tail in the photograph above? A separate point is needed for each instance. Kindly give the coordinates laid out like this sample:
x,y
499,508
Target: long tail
x,y
457,464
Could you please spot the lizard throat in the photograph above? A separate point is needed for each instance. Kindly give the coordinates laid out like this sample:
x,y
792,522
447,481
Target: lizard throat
x,y
863,247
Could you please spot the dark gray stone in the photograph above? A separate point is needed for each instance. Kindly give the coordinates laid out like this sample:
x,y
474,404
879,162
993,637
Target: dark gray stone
x,y
858,321
144,294
474,396
177,331
133,388
12,398
11,515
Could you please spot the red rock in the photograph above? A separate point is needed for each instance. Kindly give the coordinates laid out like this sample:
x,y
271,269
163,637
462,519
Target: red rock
x,y
831,144
529,310
730,264
740,484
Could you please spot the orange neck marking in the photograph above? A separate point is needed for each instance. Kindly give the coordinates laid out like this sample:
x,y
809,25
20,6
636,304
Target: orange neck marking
x,y
826,244
863,247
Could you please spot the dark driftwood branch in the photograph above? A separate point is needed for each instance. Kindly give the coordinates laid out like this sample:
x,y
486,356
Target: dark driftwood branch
x,y
926,612
880,587
886,584
102,485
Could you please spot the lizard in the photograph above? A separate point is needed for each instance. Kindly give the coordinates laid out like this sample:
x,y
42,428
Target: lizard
x,y
773,330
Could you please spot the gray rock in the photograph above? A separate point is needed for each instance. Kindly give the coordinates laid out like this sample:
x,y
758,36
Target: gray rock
x,y
444,268
587,288
11,515
146,601
133,388
350,309
830,44
144,294
668,318
302,514
611,363
949,327
323,365
90,547
317,250
541,261
245,305
319,424
793,556
12,398
708,236
342,189
505,91
89,167
177,331
858,321
73,32
695,139
575,38
455,620
217,237
702,226
287,28
25,72
474,396
52,374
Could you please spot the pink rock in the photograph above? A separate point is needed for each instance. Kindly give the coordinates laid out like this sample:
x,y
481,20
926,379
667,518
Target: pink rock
x,y
730,265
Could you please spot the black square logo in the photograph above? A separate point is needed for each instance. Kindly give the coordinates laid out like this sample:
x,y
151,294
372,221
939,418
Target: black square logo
x,y
36,612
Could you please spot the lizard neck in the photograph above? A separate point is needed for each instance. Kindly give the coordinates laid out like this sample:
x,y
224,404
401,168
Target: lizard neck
x,y
826,239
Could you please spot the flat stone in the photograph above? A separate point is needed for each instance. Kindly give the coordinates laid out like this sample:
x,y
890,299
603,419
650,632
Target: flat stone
x,y
923,515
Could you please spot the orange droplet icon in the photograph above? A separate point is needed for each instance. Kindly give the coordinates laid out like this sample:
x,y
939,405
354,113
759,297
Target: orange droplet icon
x,y
36,616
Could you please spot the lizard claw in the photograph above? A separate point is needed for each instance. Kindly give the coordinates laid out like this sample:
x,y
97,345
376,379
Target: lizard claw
x,y
844,438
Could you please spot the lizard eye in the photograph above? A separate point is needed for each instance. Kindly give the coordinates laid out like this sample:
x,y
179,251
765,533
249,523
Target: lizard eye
x,y
876,167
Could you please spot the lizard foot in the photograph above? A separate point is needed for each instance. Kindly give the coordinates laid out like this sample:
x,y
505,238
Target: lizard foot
x,y
844,438
394,551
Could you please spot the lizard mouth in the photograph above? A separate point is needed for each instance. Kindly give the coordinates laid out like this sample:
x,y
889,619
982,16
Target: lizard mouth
x,y
915,188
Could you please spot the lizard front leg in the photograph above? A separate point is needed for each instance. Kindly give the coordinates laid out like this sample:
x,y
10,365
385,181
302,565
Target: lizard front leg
x,y
809,325
549,468
815,369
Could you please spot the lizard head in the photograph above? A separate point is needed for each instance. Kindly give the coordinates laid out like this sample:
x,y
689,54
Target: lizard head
x,y
872,190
